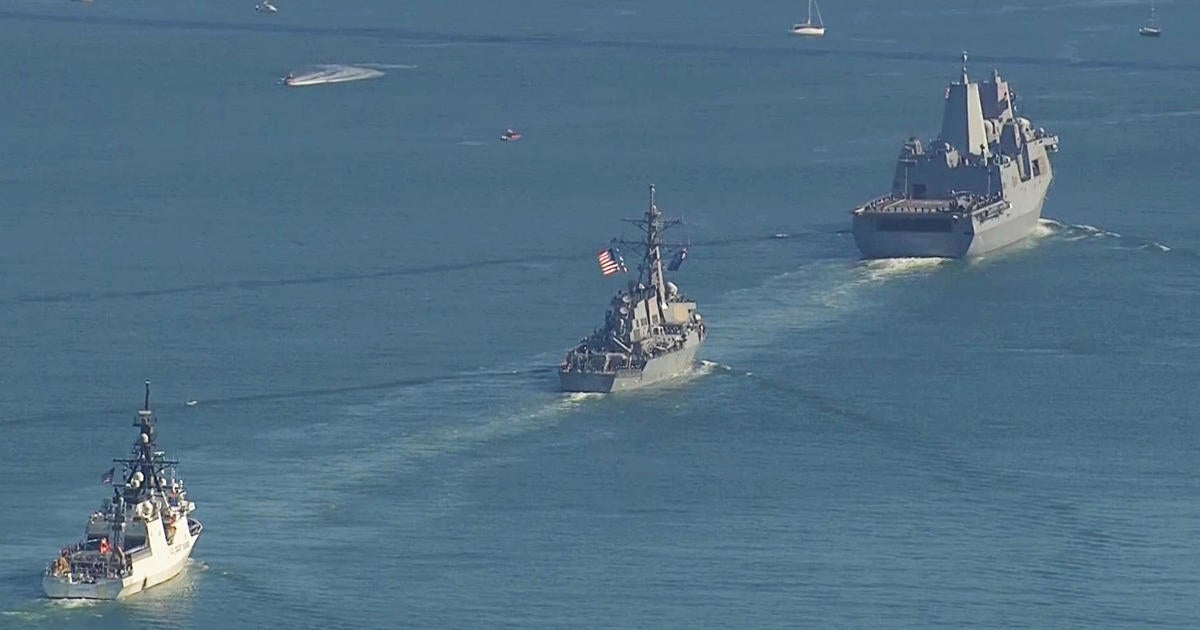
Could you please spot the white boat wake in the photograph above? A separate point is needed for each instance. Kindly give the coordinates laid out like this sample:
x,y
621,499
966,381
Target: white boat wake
x,y
882,269
389,66
330,73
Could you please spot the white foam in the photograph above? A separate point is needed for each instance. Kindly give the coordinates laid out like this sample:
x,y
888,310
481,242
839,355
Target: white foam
x,y
390,66
886,268
712,366
1046,228
1072,232
333,73
73,603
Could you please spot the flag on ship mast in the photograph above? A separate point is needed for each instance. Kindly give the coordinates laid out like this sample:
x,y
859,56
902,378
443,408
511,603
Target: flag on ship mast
x,y
610,261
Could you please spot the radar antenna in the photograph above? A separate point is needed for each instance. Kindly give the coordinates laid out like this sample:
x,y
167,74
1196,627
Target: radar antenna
x,y
652,224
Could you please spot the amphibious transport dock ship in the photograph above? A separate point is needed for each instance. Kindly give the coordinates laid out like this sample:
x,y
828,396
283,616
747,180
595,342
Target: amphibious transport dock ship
x,y
978,187
651,331
141,536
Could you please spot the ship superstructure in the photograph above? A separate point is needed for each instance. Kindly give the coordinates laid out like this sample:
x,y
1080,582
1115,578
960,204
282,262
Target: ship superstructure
x,y
979,186
651,330
141,536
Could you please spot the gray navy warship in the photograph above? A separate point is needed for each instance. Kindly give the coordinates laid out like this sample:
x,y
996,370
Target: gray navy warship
x,y
651,331
978,187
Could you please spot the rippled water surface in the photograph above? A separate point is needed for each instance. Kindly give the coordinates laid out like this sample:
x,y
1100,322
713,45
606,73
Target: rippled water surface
x,y
367,294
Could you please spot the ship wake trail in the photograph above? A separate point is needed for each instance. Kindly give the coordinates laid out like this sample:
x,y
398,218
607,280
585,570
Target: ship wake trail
x,y
1052,229
333,73
389,66
398,431
884,269
807,299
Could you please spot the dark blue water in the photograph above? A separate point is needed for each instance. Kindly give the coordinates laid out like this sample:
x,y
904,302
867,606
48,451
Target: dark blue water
x,y
367,293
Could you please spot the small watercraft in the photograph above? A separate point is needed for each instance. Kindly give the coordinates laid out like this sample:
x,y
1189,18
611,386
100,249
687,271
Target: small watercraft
x,y
1152,28
265,7
510,135
810,28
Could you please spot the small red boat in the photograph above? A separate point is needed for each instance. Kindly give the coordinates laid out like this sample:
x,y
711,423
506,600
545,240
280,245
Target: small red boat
x,y
510,135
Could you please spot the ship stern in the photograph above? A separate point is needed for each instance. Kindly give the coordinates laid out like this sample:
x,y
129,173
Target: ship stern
x,y
574,381
878,237
63,587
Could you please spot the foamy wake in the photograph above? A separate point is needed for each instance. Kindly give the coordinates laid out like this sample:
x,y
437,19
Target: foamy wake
x,y
73,603
1048,228
333,73
503,424
475,414
884,269
466,415
712,367
390,66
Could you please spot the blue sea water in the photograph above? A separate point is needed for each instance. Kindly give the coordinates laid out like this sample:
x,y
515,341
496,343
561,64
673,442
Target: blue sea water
x,y
367,293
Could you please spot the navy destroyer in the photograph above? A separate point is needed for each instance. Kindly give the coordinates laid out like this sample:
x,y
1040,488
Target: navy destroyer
x,y
979,186
141,536
651,331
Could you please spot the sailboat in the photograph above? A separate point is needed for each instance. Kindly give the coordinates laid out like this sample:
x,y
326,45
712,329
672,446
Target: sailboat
x,y
1151,29
809,28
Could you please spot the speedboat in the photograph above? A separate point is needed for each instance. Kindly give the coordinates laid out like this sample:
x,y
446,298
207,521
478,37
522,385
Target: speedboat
x,y
265,7
510,135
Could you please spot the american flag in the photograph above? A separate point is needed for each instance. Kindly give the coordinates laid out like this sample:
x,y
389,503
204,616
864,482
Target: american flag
x,y
107,477
610,262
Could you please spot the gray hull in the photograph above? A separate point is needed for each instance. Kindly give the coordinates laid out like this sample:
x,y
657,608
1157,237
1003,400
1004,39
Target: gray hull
x,y
661,368
967,236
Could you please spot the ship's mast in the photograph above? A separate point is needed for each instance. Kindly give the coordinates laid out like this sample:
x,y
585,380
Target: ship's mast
x,y
654,246
652,225
146,464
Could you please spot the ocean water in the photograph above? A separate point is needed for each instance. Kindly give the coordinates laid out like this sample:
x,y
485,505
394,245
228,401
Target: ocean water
x,y
367,295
